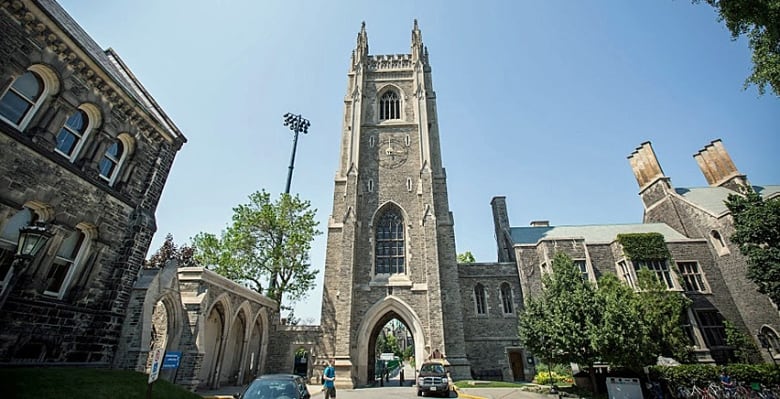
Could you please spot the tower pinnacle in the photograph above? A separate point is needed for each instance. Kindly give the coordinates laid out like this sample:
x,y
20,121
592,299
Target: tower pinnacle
x,y
418,49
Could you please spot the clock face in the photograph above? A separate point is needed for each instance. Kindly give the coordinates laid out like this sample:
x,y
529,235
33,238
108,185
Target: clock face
x,y
392,153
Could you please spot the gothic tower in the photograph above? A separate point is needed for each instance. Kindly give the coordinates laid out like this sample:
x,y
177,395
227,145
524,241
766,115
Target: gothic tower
x,y
391,243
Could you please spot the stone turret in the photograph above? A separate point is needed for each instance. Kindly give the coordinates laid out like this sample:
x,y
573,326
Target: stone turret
x,y
717,167
501,225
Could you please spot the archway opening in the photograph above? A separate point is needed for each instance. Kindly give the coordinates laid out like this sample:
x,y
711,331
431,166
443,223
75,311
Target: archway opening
x,y
390,352
301,362
211,344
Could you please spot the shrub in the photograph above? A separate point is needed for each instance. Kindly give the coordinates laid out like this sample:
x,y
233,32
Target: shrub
x,y
547,378
701,375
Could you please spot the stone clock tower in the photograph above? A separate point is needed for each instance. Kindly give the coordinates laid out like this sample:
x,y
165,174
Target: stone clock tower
x,y
391,243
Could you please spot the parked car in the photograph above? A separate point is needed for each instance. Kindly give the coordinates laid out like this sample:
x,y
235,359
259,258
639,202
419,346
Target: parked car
x,y
276,386
434,378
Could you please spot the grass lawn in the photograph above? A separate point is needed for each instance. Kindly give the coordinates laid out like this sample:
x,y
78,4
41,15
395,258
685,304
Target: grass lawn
x,y
76,383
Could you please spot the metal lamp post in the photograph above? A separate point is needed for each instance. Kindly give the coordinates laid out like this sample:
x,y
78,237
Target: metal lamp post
x,y
31,239
762,338
297,124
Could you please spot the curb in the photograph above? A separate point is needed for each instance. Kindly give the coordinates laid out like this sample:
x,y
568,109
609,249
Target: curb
x,y
467,396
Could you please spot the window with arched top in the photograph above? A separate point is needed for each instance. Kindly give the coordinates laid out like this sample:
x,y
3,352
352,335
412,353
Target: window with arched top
x,y
506,298
109,164
390,251
479,299
21,98
9,236
62,270
389,106
71,136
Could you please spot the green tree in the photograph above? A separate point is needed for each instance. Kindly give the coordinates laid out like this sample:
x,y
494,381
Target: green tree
x,y
169,251
266,246
556,324
757,233
619,334
759,20
663,315
466,257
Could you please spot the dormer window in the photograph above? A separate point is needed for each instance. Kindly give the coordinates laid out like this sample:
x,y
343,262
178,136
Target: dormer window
x,y
389,106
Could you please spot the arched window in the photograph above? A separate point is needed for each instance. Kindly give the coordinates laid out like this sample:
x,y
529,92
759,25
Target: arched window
x,y
71,135
390,253
9,236
21,98
506,298
389,106
109,164
67,259
479,298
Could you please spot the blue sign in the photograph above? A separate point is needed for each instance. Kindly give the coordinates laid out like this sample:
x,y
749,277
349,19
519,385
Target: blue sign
x,y
171,360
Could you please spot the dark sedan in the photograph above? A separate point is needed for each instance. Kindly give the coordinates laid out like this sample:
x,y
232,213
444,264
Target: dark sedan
x,y
276,386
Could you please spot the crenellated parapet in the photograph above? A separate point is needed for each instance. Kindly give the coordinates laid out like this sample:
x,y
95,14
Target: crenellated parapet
x,y
390,62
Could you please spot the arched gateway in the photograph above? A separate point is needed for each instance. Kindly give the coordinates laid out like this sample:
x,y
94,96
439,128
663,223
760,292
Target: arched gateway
x,y
391,243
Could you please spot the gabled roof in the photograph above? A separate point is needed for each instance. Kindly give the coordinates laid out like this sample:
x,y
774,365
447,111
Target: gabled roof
x,y
109,61
603,233
711,199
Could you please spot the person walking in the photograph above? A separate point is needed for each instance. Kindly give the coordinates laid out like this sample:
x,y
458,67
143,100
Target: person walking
x,y
329,376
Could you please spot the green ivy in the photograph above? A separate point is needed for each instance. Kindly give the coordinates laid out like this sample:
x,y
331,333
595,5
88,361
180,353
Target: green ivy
x,y
644,246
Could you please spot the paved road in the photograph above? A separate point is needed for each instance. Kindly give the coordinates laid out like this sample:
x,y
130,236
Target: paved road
x,y
410,392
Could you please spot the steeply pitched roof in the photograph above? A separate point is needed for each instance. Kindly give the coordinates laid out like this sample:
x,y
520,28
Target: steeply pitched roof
x,y
604,233
711,199
109,61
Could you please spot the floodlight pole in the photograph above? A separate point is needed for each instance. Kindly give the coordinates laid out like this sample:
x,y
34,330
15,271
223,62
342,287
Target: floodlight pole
x,y
297,124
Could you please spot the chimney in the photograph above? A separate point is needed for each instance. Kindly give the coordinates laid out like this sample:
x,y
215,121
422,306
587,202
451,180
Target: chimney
x,y
540,223
645,165
717,167
501,225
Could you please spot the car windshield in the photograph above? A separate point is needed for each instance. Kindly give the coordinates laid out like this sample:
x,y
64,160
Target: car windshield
x,y
271,389
432,368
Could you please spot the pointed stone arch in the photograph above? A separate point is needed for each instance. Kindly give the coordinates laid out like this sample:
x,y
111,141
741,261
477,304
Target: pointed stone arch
x,y
375,317
257,346
211,340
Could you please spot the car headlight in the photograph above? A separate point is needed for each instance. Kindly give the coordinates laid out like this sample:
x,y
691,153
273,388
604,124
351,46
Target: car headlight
x,y
443,380
420,381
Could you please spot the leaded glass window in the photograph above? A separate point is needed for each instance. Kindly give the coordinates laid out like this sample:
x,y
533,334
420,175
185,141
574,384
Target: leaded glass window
x,y
389,106
506,297
479,298
390,253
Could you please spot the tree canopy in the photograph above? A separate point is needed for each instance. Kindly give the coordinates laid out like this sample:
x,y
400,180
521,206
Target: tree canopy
x,y
266,246
170,251
757,233
466,257
573,321
759,20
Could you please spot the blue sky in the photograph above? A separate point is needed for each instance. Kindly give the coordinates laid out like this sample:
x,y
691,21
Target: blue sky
x,y
538,101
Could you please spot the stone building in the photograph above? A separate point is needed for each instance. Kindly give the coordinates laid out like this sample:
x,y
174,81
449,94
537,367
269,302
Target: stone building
x,y
391,253
695,223
85,150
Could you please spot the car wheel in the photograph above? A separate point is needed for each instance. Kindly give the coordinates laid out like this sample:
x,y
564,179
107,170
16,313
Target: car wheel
x,y
419,392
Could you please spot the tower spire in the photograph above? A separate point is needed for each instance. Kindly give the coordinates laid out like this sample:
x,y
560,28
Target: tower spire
x,y
418,49
361,49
